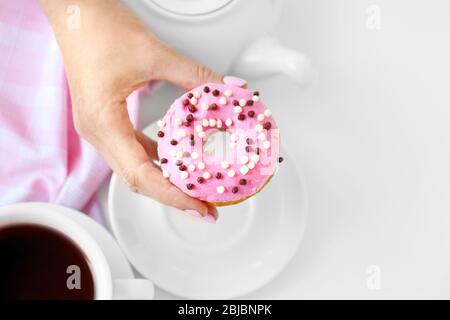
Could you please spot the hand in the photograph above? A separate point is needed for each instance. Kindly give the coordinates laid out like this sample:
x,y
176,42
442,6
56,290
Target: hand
x,y
106,59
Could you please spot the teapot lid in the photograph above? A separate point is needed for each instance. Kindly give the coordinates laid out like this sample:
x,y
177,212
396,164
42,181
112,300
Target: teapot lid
x,y
191,7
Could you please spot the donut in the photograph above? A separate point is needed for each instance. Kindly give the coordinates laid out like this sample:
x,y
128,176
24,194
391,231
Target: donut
x,y
252,154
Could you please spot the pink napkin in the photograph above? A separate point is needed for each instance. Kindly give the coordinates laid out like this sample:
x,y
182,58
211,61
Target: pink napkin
x,y
42,157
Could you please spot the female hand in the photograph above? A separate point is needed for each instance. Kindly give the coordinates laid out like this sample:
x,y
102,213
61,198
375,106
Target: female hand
x,y
109,56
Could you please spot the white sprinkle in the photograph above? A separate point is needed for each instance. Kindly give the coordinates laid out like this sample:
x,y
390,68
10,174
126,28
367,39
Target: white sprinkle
x,y
254,158
206,175
251,165
201,134
267,113
184,175
166,174
223,101
258,128
266,145
220,189
228,122
242,102
260,117
205,122
204,106
237,109
199,128
234,137
161,123
244,170
179,154
212,123
193,101
194,155
197,94
255,98
178,122
244,159
228,93
231,173
219,123
262,136
181,133
191,167
201,165
173,152
225,164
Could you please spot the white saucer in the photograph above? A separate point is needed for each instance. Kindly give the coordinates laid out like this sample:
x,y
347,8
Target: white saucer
x,y
120,268
248,246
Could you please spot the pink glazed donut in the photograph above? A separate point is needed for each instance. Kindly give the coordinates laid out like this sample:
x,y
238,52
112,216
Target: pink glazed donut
x,y
252,155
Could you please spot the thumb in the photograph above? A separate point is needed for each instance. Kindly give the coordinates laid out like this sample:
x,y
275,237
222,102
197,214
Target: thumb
x,y
184,72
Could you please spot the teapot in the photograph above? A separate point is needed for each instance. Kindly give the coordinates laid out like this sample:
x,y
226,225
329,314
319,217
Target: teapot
x,y
229,36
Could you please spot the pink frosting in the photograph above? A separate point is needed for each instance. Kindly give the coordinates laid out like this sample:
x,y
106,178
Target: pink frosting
x,y
252,126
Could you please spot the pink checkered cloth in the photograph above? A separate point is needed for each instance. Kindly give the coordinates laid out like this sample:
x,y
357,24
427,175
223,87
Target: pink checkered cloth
x,y
42,157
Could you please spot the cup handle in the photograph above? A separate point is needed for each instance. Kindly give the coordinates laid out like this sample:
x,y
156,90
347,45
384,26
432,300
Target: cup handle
x,y
133,289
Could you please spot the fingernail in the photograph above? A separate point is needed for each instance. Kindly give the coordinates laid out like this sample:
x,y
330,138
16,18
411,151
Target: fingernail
x,y
194,213
208,218
234,81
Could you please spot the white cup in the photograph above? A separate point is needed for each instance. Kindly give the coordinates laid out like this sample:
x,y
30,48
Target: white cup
x,y
105,287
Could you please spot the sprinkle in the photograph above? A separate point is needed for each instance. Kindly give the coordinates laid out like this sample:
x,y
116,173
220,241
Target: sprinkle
x,y
267,113
192,109
191,168
201,165
166,174
266,145
190,95
235,103
205,122
197,94
234,137
256,93
178,163
184,175
189,118
251,165
173,142
199,128
182,133
187,124
216,93
185,102
248,149
178,122
179,154
193,101
182,167
201,134
250,103
255,158
204,106
194,155
206,89
206,175
249,141
160,134
164,160
225,164
258,128
218,175
161,123
200,180
262,136
220,189
267,125
244,159
241,117
231,173
257,151
242,102
280,159
219,123
228,122
223,101
260,117
190,186
251,113
244,170
213,107
173,152
192,142
255,98
235,190
242,182
212,123
228,93
237,109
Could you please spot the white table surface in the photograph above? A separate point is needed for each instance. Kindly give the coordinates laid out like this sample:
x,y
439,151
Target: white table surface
x,y
373,139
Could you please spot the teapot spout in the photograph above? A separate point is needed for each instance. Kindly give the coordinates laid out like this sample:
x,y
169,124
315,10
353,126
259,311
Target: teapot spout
x,y
266,57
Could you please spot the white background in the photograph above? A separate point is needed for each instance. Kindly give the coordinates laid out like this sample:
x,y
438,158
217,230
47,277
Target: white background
x,y
373,139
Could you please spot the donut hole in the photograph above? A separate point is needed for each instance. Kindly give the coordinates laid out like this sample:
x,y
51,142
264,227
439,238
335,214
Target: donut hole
x,y
217,145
